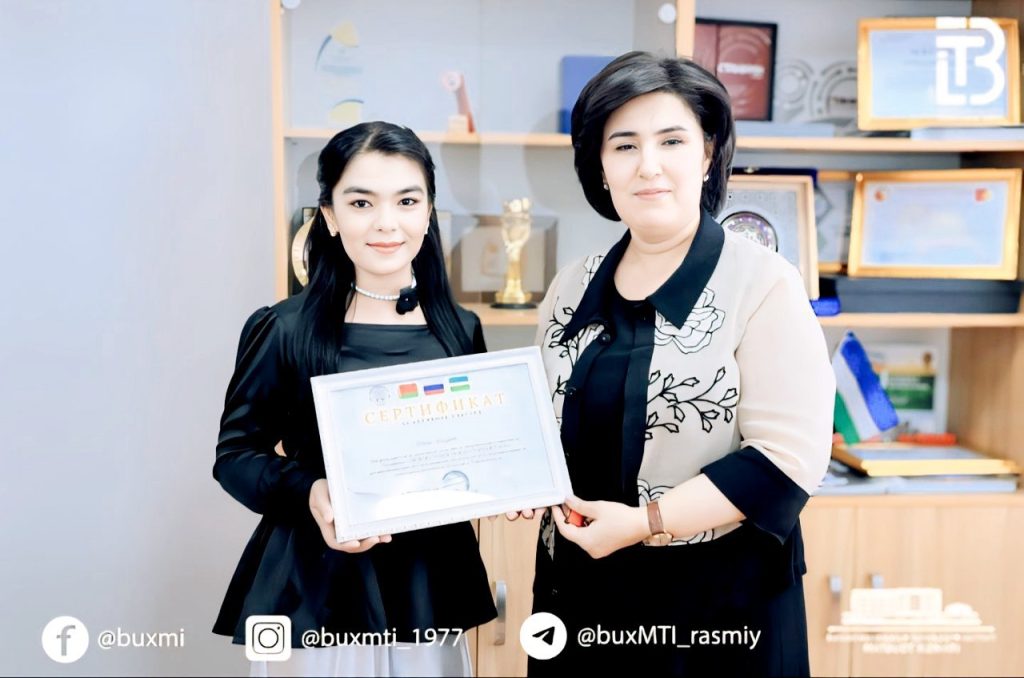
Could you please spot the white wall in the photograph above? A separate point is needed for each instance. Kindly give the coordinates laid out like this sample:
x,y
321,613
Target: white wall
x,y
135,183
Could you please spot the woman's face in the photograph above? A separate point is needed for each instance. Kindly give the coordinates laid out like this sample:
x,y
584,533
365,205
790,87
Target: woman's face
x,y
381,212
654,159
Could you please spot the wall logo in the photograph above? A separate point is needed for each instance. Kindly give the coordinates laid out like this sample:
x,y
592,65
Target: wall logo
x,y
908,621
65,639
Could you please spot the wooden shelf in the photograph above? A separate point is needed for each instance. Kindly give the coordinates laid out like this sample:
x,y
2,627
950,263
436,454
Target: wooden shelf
x,y
873,145
494,317
480,139
918,500
912,320
777,144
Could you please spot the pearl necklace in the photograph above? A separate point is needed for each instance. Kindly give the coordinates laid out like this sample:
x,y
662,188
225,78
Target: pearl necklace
x,y
382,297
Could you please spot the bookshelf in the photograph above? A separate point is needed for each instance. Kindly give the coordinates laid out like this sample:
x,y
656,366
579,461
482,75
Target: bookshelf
x,y
743,143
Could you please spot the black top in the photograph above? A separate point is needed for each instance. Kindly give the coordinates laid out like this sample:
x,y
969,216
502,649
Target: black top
x,y
747,577
431,578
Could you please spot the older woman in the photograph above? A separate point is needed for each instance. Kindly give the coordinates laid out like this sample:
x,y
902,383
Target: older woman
x,y
695,397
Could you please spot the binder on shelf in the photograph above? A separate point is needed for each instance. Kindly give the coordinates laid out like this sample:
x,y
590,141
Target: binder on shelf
x,y
576,73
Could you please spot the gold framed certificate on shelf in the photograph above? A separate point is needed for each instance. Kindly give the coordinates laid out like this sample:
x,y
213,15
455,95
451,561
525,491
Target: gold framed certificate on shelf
x,y
439,442
937,71
949,223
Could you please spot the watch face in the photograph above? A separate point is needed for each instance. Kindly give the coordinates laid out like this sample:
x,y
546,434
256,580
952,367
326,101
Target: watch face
x,y
659,539
753,227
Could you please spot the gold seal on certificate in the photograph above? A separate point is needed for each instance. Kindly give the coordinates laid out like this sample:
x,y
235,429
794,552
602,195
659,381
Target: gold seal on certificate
x,y
439,442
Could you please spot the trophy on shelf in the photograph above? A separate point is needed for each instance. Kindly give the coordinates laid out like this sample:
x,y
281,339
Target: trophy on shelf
x,y
515,231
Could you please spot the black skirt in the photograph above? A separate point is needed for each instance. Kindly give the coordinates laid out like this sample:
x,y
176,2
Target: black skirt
x,y
723,607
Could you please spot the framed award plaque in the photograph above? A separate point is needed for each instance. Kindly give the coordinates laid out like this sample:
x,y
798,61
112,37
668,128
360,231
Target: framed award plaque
x,y
776,211
742,55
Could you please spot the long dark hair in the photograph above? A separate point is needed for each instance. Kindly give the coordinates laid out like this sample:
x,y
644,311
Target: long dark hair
x,y
332,273
632,75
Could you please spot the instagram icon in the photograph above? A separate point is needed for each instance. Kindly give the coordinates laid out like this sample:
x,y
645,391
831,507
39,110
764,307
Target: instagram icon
x,y
268,638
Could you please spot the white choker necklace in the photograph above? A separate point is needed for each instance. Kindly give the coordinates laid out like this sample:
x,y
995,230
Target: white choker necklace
x,y
384,297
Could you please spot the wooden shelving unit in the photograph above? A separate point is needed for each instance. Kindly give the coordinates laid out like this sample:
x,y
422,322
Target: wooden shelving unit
x,y
494,317
917,500
766,144
908,538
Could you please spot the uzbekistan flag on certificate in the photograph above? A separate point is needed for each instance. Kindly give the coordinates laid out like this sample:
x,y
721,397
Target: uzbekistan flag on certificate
x,y
863,408
456,384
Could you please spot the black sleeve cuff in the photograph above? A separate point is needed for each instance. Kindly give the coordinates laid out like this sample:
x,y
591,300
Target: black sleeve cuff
x,y
763,493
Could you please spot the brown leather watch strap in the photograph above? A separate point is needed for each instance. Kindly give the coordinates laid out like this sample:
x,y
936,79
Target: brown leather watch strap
x,y
654,518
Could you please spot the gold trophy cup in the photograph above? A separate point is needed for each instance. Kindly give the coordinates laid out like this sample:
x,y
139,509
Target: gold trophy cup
x,y
515,231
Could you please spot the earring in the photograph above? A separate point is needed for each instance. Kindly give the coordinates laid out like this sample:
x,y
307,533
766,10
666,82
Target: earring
x,y
706,177
605,186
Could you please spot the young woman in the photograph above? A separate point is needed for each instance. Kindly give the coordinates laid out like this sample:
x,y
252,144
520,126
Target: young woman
x,y
377,295
695,396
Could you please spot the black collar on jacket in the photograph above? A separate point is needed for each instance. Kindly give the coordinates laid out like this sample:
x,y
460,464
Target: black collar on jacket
x,y
674,299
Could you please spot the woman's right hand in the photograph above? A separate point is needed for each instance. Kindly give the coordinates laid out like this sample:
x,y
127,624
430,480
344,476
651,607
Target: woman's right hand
x,y
528,514
323,514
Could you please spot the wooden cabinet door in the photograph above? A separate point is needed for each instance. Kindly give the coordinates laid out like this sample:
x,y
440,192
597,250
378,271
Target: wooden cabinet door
x,y
973,555
508,550
828,545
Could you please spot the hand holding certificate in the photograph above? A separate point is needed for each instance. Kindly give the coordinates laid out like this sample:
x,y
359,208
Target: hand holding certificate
x,y
439,442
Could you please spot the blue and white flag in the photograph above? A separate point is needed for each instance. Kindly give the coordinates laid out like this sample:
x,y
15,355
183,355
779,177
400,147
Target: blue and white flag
x,y
863,409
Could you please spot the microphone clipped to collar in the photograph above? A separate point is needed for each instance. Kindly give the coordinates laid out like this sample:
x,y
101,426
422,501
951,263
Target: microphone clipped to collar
x,y
406,299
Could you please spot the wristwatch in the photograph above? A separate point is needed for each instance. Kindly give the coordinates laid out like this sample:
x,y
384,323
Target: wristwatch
x,y
659,537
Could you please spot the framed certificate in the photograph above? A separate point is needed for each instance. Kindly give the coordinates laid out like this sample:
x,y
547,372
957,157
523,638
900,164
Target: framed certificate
x,y
833,208
958,223
438,442
937,71
777,211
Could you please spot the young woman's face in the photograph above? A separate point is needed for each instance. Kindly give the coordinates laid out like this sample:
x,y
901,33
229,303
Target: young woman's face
x,y
654,159
381,212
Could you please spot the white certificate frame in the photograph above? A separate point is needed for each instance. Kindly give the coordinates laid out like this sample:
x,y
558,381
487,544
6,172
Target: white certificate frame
x,y
345,432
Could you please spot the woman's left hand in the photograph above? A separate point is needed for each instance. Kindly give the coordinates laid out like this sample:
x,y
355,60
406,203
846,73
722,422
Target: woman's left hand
x,y
612,526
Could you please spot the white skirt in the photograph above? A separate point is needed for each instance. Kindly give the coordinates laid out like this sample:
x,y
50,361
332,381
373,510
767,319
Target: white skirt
x,y
400,659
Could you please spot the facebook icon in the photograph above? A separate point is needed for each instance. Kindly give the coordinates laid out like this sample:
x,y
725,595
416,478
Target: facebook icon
x,y
65,639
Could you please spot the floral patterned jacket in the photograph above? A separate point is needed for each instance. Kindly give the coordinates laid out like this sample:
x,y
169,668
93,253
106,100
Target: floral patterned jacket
x,y
739,383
